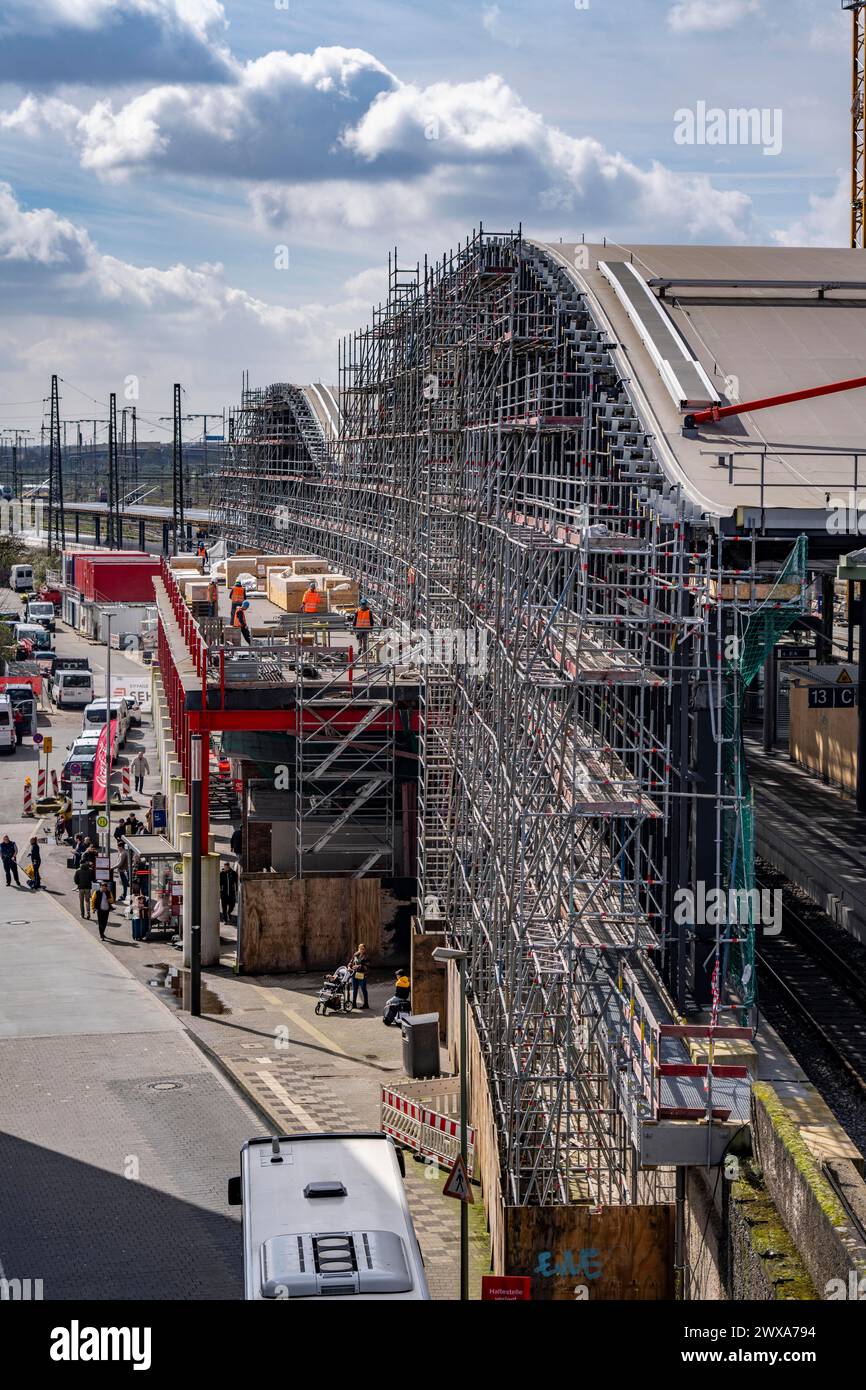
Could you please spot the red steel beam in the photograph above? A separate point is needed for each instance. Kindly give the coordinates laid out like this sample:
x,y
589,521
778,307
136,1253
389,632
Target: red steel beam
x,y
721,412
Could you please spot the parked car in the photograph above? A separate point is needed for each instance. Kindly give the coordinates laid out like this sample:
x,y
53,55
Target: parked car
x,y
31,638
95,713
79,768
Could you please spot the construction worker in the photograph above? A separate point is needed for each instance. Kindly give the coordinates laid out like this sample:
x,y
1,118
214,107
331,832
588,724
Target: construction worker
x,y
240,621
238,594
312,600
361,624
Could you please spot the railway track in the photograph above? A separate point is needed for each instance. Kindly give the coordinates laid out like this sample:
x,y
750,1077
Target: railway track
x,y
816,983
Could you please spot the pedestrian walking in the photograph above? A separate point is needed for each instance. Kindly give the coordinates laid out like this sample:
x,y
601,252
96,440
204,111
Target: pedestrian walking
x,y
240,622
361,623
124,869
34,854
9,855
228,890
237,596
140,769
359,967
83,880
102,901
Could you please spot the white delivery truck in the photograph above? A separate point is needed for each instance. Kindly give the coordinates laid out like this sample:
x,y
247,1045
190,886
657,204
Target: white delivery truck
x,y
326,1216
7,726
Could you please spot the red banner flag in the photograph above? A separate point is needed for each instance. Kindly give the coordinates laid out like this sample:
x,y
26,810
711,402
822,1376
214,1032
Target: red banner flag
x,y
104,759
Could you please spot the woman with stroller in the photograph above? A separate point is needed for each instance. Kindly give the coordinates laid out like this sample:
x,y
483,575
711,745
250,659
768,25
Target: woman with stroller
x,y
359,966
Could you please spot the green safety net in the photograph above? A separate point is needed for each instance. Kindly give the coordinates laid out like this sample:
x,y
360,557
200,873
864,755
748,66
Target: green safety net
x,y
749,649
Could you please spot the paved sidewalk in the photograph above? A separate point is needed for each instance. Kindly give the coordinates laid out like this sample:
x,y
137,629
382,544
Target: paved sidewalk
x,y
301,1071
118,1133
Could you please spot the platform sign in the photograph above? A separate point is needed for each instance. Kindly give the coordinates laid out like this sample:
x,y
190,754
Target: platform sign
x,y
832,697
799,653
506,1288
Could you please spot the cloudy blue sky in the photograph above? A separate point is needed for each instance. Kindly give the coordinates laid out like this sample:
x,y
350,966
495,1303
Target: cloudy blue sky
x,y
157,155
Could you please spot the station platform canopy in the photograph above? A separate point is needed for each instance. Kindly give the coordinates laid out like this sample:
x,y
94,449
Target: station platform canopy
x,y
729,324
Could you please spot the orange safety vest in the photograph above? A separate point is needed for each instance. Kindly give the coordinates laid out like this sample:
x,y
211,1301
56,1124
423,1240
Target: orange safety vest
x,y
311,601
363,618
239,593
240,619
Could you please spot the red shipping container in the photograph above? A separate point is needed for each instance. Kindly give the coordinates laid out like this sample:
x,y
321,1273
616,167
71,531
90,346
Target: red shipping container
x,y
80,557
121,581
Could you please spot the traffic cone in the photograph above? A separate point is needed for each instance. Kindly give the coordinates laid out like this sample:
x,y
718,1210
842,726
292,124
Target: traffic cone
x,y
28,797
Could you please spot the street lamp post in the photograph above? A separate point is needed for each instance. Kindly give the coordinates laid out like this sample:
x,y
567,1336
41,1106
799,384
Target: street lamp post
x,y
443,954
195,755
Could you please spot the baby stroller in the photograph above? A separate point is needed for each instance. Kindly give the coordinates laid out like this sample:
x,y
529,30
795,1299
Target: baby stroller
x,y
334,993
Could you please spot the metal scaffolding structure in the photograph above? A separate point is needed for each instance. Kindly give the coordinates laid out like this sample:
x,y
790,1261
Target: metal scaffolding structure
x,y
581,756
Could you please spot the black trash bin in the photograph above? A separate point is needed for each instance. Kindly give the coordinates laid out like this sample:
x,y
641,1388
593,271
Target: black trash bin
x,y
421,1045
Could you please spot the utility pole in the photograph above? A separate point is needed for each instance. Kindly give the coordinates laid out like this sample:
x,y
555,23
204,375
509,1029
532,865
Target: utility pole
x,y
177,506
56,514
134,448
114,535
858,122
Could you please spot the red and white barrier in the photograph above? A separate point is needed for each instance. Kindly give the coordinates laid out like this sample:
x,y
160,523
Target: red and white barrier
x,y
28,797
55,785
408,1115
40,784
126,781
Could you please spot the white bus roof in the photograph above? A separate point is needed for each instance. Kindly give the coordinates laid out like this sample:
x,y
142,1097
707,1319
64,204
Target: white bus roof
x,y
326,1214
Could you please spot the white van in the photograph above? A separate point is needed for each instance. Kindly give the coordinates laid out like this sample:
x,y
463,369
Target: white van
x,y
324,1216
7,726
38,611
71,689
21,578
94,717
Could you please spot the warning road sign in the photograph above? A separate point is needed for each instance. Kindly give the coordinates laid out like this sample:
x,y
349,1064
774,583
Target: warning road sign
x,y
458,1184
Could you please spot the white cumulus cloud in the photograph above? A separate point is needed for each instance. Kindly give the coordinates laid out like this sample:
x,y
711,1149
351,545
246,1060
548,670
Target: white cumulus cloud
x,y
710,16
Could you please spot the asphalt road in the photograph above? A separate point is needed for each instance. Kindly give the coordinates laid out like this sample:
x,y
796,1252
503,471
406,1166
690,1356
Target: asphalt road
x,y
117,1134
